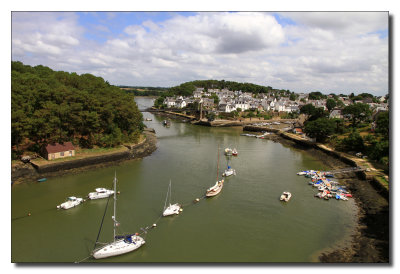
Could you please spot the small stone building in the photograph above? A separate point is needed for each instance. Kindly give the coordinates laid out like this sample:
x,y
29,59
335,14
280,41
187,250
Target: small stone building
x,y
56,150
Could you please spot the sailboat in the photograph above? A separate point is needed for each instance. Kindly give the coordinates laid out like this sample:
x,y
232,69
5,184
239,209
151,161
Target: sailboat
x,y
121,244
215,189
171,209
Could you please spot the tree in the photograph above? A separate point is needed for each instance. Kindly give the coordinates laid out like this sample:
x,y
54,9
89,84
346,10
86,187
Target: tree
x,y
320,128
308,109
382,124
358,112
330,104
354,142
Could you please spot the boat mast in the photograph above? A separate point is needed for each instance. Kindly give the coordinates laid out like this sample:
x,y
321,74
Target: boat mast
x,y
115,202
218,163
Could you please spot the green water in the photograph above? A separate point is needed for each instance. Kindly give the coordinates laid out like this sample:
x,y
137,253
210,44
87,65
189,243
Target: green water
x,y
246,222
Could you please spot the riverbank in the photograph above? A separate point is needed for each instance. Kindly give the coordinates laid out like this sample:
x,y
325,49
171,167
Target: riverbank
x,y
31,172
370,240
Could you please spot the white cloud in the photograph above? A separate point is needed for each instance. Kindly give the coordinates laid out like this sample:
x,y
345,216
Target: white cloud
x,y
321,51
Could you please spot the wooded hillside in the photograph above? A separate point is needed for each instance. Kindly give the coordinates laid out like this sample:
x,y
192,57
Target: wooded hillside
x,y
56,106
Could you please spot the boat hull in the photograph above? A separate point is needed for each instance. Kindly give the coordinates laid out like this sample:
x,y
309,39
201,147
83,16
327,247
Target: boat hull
x,y
96,195
118,248
215,190
174,209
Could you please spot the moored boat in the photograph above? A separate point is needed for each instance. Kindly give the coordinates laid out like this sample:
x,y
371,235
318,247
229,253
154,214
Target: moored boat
x,y
234,152
172,209
100,193
285,196
228,151
215,189
121,244
70,203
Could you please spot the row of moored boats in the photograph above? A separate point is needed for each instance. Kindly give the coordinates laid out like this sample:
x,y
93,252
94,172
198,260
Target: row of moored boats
x,y
327,187
74,201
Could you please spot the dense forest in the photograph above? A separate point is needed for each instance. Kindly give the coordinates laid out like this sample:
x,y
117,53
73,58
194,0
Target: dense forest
x,y
56,106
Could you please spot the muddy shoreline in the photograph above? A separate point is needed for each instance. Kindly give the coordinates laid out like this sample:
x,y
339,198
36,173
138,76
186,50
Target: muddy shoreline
x,y
370,240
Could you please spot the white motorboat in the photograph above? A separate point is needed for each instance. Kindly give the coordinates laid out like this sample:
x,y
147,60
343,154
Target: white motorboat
x,y
228,151
285,196
121,244
100,193
228,172
70,203
172,208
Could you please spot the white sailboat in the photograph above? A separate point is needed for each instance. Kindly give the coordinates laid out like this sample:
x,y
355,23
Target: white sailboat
x,y
215,189
172,208
121,244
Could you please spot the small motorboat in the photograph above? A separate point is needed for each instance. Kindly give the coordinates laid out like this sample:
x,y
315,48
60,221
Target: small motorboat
x,y
285,196
228,151
42,180
100,193
71,202
234,152
228,172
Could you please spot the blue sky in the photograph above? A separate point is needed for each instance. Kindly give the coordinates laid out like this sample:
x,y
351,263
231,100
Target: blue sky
x,y
340,52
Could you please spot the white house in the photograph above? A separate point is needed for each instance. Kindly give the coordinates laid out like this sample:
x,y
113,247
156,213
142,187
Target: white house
x,y
170,102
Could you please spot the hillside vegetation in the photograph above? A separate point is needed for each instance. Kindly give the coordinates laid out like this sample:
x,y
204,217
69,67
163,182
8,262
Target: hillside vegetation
x,y
56,106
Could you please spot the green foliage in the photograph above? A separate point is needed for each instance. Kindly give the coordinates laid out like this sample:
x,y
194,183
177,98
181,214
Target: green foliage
x,y
358,112
308,109
379,150
293,96
320,128
354,142
316,95
330,104
215,97
56,106
312,112
159,102
382,124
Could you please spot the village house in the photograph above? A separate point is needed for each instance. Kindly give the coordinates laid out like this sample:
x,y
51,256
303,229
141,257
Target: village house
x,y
169,101
336,113
56,150
208,103
180,103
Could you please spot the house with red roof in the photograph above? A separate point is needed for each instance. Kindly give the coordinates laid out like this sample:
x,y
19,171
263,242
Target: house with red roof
x,y
56,150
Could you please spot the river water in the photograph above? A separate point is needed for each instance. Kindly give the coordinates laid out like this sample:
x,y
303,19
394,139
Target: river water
x,y
246,222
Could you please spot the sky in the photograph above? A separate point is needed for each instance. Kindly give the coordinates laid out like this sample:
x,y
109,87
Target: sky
x,y
331,52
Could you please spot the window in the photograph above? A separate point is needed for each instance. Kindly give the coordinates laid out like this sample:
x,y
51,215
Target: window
x,y
70,153
61,154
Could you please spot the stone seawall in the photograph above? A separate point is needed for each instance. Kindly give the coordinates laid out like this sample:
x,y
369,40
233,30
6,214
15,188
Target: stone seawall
x,y
31,172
